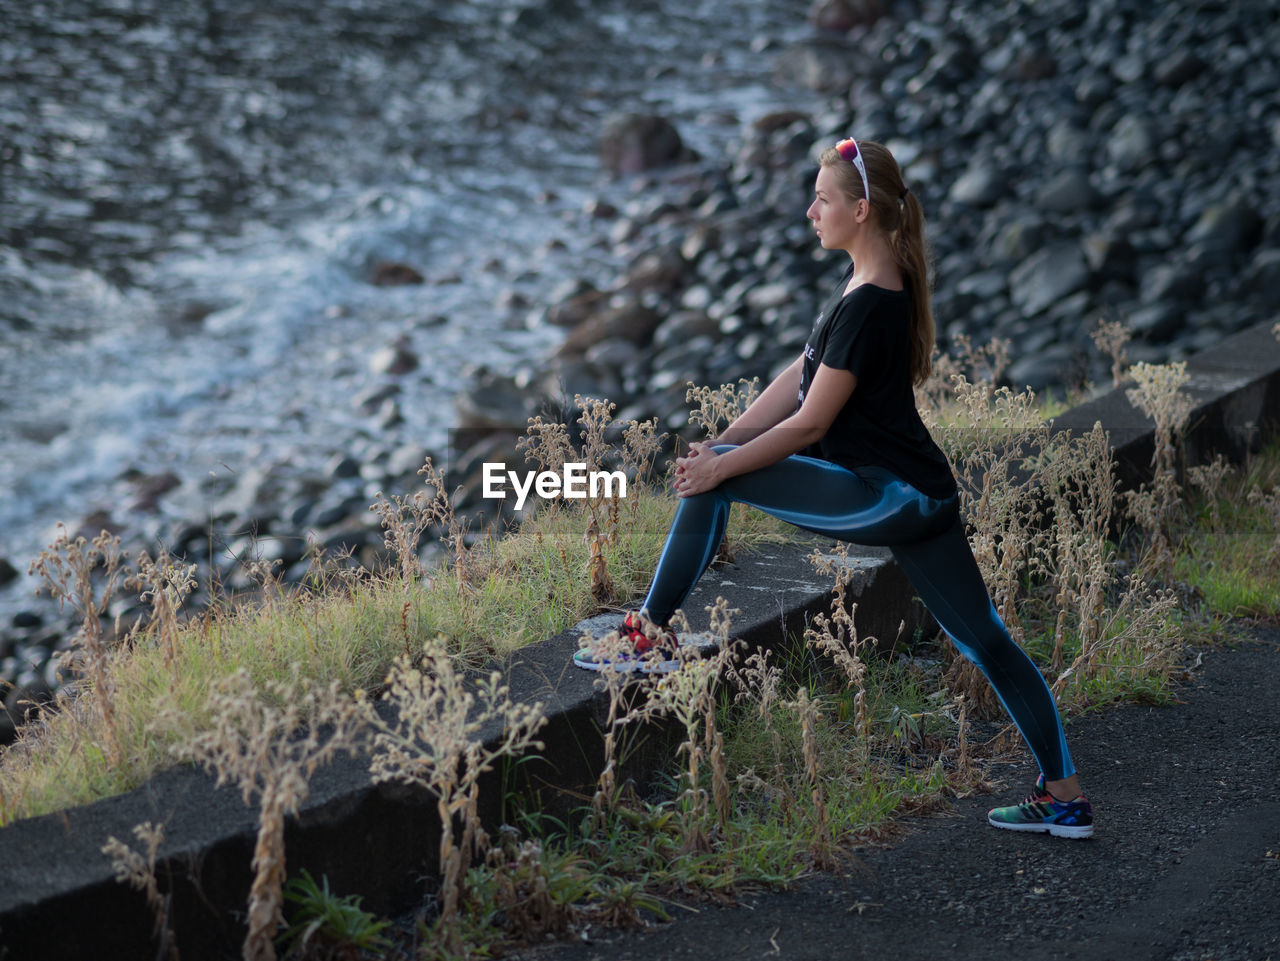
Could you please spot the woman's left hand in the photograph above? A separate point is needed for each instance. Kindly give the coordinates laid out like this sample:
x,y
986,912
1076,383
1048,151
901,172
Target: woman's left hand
x,y
696,471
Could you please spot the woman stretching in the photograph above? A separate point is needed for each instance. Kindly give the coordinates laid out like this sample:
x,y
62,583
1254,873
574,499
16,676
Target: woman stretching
x,y
835,445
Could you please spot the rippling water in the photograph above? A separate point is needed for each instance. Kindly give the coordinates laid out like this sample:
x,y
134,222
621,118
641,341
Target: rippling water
x,y
194,196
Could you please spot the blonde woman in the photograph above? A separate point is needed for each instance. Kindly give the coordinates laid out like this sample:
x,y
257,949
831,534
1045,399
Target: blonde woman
x,y
835,445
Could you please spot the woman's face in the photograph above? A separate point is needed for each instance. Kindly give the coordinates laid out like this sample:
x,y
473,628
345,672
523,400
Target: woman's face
x,y
833,215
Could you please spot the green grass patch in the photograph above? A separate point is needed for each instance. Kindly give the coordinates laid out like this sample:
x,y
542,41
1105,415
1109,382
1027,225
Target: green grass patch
x,y
1227,572
1229,547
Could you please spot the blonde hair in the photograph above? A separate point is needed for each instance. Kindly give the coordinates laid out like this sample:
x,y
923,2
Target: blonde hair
x,y
898,213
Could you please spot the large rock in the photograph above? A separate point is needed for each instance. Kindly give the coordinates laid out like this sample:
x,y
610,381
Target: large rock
x,y
1227,228
1048,276
100,521
494,402
1069,143
769,296
661,270
1132,144
1110,256
979,186
1177,68
1262,277
684,325
1069,192
1167,282
1130,68
1034,63
843,15
1018,238
573,303
147,490
633,143
392,274
984,286
818,65
632,322
370,400
570,375
1043,368
1157,323
394,360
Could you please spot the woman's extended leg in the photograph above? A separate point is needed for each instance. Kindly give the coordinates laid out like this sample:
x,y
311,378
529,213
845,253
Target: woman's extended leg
x,y
870,507
943,570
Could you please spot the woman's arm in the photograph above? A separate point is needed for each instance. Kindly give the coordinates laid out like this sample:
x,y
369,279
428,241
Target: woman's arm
x,y
703,470
775,404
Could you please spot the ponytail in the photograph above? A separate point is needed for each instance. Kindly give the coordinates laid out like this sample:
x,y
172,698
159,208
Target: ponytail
x,y
912,257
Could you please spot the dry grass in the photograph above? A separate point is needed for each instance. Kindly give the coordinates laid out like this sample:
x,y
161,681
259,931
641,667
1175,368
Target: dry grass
x,y
435,740
86,575
138,870
1110,336
1041,507
1159,395
269,743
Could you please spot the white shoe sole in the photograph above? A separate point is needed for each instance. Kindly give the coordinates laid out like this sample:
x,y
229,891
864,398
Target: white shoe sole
x,y
629,666
1057,830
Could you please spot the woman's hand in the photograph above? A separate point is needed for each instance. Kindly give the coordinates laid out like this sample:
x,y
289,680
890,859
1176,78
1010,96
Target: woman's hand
x,y
696,471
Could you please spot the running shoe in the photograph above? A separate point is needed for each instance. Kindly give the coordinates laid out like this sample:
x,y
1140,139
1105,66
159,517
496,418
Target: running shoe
x,y
634,650
1041,811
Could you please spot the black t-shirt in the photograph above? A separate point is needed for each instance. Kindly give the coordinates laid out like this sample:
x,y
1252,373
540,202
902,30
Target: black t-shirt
x,y
866,332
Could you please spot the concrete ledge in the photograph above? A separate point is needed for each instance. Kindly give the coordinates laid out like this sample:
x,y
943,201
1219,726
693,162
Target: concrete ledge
x,y
58,899
1235,392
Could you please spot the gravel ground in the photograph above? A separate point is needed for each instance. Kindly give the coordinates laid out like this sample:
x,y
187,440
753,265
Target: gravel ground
x,y
1184,863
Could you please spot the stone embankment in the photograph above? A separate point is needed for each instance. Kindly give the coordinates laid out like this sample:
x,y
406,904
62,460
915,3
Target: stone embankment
x,y
1116,161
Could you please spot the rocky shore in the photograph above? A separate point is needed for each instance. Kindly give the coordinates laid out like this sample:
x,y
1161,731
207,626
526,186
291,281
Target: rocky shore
x,y
1116,161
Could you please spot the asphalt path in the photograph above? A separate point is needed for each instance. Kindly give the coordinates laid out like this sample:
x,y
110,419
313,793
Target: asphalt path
x,y
1184,864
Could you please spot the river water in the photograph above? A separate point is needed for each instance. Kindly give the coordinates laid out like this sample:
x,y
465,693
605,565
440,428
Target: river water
x,y
194,196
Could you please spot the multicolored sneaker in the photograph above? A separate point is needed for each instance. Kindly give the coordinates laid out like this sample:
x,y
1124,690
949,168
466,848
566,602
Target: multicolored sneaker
x,y
634,650
1041,811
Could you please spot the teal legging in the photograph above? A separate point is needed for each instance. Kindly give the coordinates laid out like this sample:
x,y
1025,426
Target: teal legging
x,y
876,508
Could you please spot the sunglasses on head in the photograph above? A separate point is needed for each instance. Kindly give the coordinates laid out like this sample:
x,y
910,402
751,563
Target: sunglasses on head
x,y
848,150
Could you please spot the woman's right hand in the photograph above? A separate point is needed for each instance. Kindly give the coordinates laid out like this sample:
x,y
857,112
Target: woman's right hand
x,y
696,471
